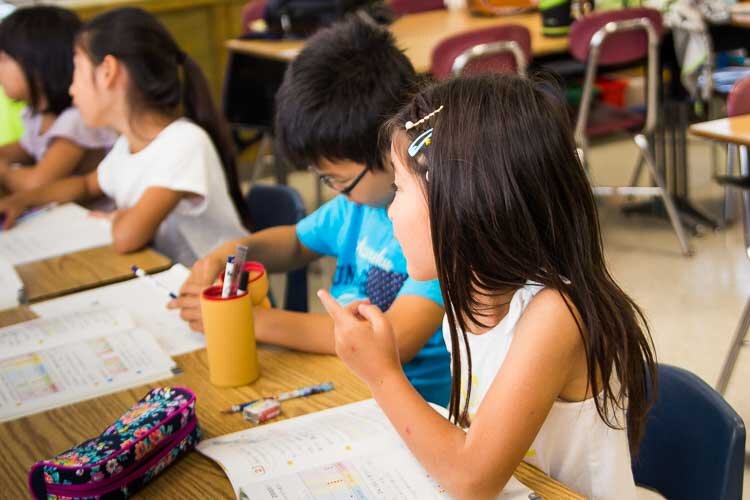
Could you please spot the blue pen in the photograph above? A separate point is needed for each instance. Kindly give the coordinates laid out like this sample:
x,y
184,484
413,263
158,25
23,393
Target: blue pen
x,y
140,273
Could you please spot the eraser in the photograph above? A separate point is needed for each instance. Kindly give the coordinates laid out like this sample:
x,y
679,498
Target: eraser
x,y
262,410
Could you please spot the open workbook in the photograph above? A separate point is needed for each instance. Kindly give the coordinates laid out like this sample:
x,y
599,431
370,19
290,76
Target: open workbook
x,y
51,362
146,304
351,451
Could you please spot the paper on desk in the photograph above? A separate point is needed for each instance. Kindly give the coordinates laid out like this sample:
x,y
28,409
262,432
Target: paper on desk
x,y
11,286
57,231
145,304
347,452
42,379
351,451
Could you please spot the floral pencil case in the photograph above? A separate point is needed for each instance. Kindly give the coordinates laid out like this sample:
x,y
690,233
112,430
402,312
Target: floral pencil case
x,y
150,436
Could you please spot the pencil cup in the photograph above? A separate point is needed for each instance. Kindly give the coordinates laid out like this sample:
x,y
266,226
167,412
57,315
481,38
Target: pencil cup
x,y
257,284
230,338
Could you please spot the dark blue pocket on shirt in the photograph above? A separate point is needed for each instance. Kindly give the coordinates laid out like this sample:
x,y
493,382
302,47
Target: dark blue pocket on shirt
x,y
382,286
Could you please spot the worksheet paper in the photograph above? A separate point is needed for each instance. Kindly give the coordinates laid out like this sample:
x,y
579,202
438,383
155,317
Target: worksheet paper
x,y
145,304
11,286
347,452
54,231
51,362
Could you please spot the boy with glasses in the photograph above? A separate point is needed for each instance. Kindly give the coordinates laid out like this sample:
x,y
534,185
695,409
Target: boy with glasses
x,y
336,94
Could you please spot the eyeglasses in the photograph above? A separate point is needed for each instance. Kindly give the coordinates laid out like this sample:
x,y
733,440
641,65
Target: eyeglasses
x,y
336,185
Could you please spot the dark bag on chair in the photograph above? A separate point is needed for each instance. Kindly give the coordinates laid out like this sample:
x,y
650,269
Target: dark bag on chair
x,y
300,18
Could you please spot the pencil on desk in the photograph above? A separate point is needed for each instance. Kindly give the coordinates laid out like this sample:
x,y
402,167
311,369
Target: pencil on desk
x,y
284,396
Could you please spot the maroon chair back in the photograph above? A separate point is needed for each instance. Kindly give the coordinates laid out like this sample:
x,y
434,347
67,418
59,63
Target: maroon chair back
x,y
251,12
618,48
446,52
738,102
403,7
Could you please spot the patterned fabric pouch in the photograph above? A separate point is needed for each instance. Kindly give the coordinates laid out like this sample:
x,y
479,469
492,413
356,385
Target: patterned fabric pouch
x,y
156,431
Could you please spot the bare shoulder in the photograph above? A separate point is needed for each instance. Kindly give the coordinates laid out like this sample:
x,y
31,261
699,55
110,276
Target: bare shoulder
x,y
552,317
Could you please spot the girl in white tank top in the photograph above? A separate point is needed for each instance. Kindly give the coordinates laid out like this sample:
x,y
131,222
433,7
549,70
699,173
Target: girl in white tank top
x,y
550,358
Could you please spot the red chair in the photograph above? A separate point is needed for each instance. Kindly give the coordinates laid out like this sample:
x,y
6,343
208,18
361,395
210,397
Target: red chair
x,y
619,37
251,12
404,7
501,49
738,103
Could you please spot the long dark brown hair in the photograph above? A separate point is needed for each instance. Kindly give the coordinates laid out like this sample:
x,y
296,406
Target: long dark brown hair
x,y
165,79
510,202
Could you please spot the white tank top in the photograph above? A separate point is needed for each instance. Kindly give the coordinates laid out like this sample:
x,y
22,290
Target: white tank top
x,y
574,445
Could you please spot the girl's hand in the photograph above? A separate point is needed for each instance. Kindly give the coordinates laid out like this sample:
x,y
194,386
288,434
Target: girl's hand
x,y
97,214
11,207
364,339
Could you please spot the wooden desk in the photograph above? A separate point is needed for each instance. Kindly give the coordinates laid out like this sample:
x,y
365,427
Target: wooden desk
x,y
37,437
734,130
418,34
56,276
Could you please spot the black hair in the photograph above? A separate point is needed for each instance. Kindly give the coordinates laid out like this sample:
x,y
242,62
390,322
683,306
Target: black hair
x,y
40,39
337,93
509,202
165,79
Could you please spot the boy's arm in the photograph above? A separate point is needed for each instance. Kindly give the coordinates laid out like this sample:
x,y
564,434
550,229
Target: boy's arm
x,y
58,162
277,248
414,319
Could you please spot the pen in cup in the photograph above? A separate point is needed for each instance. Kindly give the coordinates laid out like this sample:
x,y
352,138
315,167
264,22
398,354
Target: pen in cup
x,y
227,287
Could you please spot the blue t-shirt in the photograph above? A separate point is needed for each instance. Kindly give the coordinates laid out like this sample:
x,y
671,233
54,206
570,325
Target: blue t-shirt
x,y
370,264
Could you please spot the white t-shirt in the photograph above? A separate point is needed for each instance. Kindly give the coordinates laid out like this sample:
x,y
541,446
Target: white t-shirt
x,y
181,158
574,445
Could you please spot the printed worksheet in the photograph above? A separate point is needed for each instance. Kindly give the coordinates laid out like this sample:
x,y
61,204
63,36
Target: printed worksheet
x,y
145,304
347,452
51,232
57,360
40,379
11,286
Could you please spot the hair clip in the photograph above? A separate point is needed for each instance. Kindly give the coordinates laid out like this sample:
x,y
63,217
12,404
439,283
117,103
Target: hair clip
x,y
421,141
410,125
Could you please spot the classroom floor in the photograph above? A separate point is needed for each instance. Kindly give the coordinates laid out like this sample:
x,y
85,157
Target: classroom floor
x,y
693,304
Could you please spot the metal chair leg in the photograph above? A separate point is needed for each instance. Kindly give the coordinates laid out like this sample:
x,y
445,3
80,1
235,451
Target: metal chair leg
x,y
674,216
637,171
729,192
734,350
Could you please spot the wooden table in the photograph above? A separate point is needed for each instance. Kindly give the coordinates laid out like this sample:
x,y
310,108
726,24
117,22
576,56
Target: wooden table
x,y
734,130
43,435
418,34
56,276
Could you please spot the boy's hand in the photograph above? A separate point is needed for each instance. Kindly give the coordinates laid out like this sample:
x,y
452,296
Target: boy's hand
x,y
364,339
11,207
204,273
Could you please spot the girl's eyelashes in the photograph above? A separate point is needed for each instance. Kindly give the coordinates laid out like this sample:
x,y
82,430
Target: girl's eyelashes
x,y
394,187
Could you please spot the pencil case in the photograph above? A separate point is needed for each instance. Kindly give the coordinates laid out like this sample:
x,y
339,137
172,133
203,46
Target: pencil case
x,y
149,437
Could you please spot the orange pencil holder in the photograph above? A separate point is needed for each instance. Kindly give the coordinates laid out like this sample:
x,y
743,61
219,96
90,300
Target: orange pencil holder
x,y
230,338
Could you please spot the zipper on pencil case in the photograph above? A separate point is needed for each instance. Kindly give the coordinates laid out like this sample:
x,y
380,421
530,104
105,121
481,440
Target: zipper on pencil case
x,y
100,488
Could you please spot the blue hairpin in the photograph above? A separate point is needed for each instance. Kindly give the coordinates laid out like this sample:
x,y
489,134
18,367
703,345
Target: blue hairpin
x,y
421,141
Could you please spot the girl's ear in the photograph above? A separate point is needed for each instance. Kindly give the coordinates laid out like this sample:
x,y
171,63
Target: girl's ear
x,y
109,71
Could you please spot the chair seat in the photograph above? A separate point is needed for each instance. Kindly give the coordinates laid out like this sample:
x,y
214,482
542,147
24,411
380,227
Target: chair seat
x,y
605,119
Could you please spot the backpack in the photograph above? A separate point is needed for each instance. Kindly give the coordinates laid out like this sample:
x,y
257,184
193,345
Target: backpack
x,y
301,18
